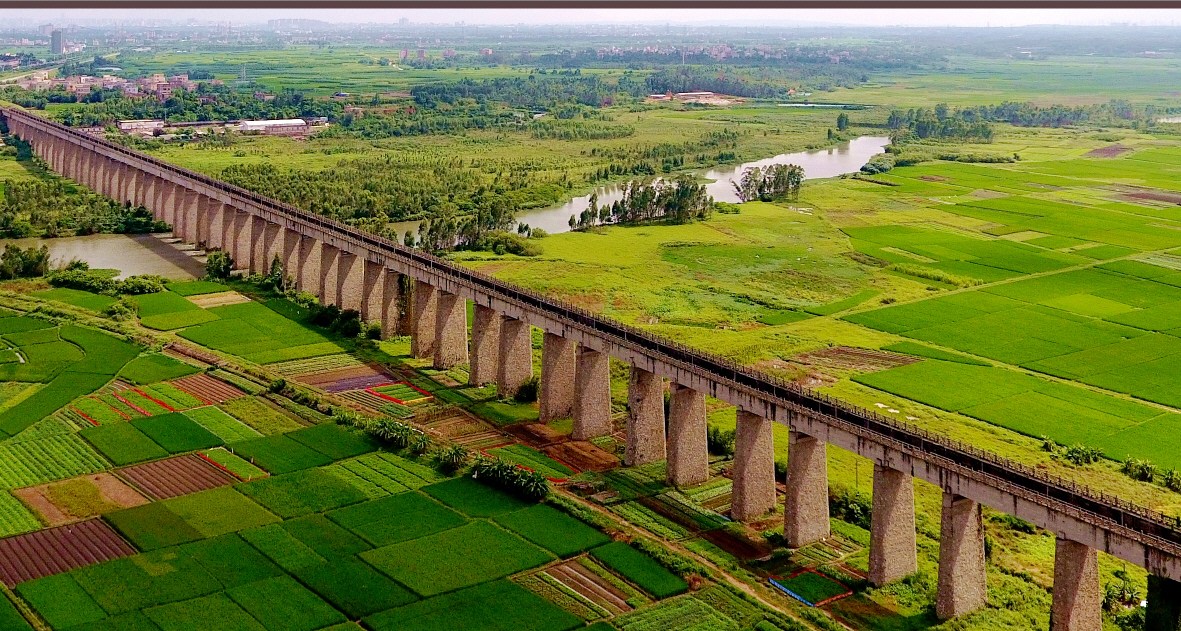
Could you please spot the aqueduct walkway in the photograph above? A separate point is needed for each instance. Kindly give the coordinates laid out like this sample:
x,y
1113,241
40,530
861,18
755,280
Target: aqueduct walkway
x,y
377,277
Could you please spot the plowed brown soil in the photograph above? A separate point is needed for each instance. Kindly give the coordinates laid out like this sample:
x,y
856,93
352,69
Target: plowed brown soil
x,y
108,487
56,550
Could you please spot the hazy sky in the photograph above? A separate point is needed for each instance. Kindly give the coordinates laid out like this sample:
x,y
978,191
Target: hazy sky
x,y
766,17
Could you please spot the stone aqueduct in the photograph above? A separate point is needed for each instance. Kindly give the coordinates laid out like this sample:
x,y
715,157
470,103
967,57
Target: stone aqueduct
x,y
355,270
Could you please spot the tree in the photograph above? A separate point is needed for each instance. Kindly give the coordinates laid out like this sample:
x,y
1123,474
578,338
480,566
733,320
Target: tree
x,y
842,122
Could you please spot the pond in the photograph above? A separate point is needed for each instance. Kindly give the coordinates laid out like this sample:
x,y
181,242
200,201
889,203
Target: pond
x,y
131,254
844,158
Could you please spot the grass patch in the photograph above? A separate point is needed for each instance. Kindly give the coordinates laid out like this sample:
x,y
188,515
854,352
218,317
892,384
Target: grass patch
x,y
259,416
922,350
786,316
282,604
638,568
354,587
841,305
553,530
152,526
813,587
216,611
457,558
219,511
224,426
163,302
494,606
335,441
233,561
397,518
76,297
501,414
153,368
473,498
302,493
532,459
123,443
176,433
61,601
178,319
196,288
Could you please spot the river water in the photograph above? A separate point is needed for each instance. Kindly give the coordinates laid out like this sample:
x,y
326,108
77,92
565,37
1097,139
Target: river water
x,y
844,158
130,254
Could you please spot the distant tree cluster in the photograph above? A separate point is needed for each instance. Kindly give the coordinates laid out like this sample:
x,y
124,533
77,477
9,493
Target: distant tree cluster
x,y
52,208
940,122
778,181
681,201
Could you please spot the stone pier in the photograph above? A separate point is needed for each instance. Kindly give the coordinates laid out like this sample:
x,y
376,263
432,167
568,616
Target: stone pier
x,y
555,399
805,509
1078,600
592,395
754,468
645,418
425,306
259,262
516,356
485,353
892,542
308,279
688,453
450,331
330,274
962,581
351,280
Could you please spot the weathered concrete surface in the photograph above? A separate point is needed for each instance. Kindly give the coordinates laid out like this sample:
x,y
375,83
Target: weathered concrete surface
x,y
309,266
425,309
962,580
330,274
516,357
1078,600
645,418
351,272
372,291
450,331
273,246
259,263
592,395
892,553
805,508
688,452
555,399
485,353
291,252
393,315
204,208
754,468
243,226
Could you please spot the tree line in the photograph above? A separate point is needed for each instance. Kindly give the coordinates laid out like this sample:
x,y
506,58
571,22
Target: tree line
x,y
54,209
680,201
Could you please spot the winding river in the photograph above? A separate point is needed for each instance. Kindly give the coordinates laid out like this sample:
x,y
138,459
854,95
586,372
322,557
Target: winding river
x,y
844,158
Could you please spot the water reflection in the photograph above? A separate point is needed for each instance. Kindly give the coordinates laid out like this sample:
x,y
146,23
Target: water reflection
x,y
130,254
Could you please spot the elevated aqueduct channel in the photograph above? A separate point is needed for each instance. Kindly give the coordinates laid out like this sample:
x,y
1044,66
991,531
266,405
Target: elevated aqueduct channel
x,y
355,270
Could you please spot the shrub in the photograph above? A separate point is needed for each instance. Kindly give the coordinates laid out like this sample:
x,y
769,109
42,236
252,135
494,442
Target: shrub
x,y
509,477
1081,454
878,164
1172,480
18,263
1138,469
218,265
452,458
504,243
850,506
101,284
123,309
720,442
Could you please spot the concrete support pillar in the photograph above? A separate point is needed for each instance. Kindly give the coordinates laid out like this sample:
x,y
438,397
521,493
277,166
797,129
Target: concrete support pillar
x,y
891,532
218,213
555,399
131,177
189,211
330,274
372,291
173,197
393,316
291,253
308,278
243,237
152,194
645,418
86,161
74,163
273,245
450,331
754,468
351,280
119,181
592,395
1078,600
688,452
805,509
516,356
139,196
106,177
259,262
1164,604
485,353
425,309
962,580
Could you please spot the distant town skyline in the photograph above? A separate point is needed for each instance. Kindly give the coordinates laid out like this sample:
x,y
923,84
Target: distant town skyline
x,y
787,18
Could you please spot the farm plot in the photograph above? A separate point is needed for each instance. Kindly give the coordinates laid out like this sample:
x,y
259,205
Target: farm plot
x,y
279,454
533,460
259,416
33,462
224,426
473,498
553,530
482,608
681,614
58,550
381,474
173,477
208,389
259,334
196,288
335,441
223,459
15,518
302,493
354,587
402,393
123,443
76,297
453,559
315,365
68,501
397,518
153,368
640,569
